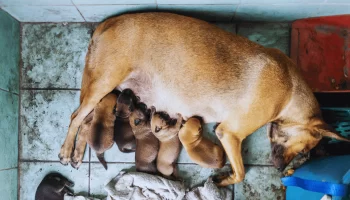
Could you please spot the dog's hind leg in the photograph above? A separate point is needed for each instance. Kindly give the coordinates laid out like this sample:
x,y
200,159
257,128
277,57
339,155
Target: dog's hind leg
x,y
105,78
81,143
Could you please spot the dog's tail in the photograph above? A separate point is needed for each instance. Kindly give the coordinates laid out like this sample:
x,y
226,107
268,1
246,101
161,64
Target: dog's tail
x,y
101,158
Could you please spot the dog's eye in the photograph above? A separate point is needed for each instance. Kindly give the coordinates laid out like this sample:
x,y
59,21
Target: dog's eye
x,y
137,122
158,129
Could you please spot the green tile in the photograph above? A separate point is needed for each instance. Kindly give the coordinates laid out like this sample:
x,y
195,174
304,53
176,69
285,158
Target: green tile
x,y
260,183
8,184
10,55
274,35
32,173
54,54
8,130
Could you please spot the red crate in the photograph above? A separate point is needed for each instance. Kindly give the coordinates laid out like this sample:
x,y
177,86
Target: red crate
x,y
321,49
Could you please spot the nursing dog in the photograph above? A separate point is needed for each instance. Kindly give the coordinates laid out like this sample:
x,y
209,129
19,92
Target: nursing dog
x,y
184,65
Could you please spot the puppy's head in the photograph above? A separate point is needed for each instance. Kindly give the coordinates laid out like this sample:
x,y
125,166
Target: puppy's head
x,y
125,103
139,118
160,120
289,140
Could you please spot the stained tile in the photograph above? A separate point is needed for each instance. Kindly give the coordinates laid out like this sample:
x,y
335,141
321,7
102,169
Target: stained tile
x,y
222,13
8,180
260,183
97,13
274,35
45,13
8,130
230,27
35,3
99,177
45,117
216,2
32,173
275,12
256,148
54,55
9,56
112,2
194,175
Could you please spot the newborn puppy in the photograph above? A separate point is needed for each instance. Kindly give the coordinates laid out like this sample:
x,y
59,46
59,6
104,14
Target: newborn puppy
x,y
166,130
123,135
99,132
54,186
147,145
201,150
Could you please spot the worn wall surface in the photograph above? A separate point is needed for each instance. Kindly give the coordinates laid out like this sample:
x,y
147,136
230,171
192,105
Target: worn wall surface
x,y
212,10
9,101
53,59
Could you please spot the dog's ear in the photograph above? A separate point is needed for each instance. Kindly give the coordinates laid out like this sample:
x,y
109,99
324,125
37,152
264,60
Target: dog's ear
x,y
324,130
272,130
153,111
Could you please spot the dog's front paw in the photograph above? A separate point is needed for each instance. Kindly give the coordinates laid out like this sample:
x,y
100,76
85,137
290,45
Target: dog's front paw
x,y
77,159
65,154
226,178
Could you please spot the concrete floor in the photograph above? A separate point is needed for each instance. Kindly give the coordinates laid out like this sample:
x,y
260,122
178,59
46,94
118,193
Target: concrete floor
x,y
52,62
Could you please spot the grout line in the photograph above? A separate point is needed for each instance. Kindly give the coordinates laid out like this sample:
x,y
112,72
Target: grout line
x,y
89,172
6,169
78,10
29,88
20,64
44,161
234,14
4,90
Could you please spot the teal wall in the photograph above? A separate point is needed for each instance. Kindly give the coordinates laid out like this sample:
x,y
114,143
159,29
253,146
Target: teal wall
x,y
9,101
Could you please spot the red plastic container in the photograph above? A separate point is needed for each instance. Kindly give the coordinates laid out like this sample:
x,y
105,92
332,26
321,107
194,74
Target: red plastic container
x,y
321,49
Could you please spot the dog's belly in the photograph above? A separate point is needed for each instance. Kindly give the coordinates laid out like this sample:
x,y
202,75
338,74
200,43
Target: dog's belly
x,y
169,98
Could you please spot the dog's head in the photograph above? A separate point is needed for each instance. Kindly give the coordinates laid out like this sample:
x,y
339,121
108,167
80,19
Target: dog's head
x,y
289,140
125,103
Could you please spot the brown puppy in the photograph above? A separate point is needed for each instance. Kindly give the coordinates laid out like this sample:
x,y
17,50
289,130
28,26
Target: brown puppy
x,y
98,129
166,130
53,187
147,145
123,135
220,76
200,149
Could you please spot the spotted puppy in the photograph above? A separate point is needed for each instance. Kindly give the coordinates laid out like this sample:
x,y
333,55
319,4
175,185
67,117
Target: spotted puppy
x,y
123,135
98,129
147,145
166,130
54,186
200,149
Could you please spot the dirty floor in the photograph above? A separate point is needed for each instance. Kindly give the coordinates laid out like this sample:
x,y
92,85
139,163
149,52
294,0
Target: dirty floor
x,y
52,63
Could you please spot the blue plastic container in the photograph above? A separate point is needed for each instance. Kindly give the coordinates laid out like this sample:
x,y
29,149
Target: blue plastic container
x,y
334,169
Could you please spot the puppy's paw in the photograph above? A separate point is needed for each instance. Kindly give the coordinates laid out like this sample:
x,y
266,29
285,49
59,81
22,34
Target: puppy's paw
x,y
65,154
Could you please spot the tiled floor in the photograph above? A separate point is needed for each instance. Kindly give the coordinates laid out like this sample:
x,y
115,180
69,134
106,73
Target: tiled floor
x,y
53,58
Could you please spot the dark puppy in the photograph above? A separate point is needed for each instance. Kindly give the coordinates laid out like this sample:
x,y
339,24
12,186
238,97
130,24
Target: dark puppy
x,y
53,187
147,145
123,135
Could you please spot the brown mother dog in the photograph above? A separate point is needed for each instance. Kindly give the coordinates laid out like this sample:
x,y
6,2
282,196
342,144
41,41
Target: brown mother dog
x,y
183,65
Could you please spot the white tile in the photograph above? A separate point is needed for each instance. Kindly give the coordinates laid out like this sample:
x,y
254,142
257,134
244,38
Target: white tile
x,y
211,2
113,2
44,13
98,13
32,173
36,3
214,13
